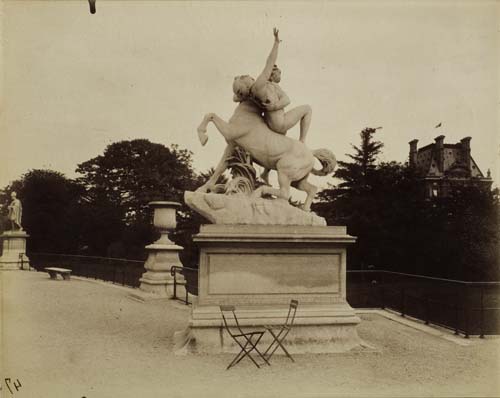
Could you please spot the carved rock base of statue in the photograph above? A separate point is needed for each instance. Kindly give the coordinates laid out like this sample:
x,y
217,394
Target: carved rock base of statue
x,y
242,209
14,251
259,269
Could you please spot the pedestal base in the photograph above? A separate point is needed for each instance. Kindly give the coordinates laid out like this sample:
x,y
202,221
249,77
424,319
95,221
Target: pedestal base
x,y
317,329
157,280
259,269
14,248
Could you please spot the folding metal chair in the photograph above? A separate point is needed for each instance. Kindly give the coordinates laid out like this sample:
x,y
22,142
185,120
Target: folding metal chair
x,y
279,333
247,341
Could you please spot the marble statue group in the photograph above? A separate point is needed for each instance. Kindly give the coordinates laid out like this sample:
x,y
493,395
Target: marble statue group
x,y
259,251
259,126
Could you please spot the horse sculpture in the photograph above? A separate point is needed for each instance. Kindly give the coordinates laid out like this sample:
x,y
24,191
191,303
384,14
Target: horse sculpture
x,y
292,160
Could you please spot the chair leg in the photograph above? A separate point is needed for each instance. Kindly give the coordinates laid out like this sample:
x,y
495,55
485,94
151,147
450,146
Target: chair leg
x,y
257,350
244,353
273,344
254,347
285,350
276,343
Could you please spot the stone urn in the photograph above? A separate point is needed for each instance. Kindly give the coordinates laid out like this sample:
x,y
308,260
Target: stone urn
x,y
157,282
164,219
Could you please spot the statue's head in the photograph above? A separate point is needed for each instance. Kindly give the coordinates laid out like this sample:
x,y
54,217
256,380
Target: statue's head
x,y
241,87
13,195
275,74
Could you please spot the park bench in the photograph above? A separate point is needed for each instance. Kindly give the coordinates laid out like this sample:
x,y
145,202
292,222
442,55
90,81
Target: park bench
x,y
53,271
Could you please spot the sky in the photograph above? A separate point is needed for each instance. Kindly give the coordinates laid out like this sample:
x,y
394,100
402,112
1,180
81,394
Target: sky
x,y
73,83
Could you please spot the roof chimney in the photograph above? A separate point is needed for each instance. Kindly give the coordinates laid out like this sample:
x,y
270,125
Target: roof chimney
x,y
439,151
466,158
413,152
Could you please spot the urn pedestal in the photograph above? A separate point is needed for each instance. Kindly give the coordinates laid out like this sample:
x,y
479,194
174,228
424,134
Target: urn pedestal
x,y
14,251
259,269
157,282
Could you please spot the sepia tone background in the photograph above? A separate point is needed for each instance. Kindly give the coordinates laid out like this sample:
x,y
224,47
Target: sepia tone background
x,y
76,82
73,83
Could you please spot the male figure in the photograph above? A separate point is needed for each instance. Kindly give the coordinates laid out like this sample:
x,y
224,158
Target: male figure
x,y
15,213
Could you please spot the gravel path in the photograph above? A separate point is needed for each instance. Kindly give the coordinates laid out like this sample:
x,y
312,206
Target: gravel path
x,y
86,339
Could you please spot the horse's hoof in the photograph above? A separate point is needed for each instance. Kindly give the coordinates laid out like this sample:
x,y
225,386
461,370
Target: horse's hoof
x,y
202,136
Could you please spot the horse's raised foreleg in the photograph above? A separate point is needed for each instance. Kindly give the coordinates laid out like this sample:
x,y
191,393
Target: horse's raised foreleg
x,y
223,127
202,130
221,167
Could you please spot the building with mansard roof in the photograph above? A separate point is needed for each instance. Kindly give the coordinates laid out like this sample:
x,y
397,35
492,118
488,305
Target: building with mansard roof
x,y
446,166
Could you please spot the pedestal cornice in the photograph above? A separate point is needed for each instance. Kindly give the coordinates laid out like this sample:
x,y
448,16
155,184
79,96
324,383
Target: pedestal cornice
x,y
265,233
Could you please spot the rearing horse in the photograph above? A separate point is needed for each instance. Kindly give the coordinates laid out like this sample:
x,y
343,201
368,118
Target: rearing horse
x,y
292,160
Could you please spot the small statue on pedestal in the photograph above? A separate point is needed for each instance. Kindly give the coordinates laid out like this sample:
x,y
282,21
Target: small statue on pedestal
x,y
15,213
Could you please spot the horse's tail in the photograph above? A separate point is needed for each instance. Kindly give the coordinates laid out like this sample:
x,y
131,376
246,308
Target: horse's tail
x,y
327,160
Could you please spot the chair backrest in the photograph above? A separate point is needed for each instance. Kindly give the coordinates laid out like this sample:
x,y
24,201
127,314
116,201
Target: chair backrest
x,y
292,310
226,309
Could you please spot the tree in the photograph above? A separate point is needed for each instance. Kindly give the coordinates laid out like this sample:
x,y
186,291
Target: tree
x,y
52,212
462,234
356,175
352,202
119,185
398,229
132,173
355,179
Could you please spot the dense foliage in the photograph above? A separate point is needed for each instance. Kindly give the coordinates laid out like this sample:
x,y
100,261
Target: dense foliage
x,y
52,211
104,212
119,185
399,229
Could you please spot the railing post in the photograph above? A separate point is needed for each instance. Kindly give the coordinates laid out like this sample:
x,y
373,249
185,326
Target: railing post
x,y
402,301
482,313
466,315
382,297
457,313
175,283
427,309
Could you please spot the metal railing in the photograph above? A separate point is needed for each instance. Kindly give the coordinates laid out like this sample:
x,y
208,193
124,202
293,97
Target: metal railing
x,y
116,270
21,260
469,308
190,281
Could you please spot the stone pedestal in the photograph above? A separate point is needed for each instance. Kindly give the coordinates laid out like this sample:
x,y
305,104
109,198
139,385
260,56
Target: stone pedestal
x,y
259,269
14,249
157,282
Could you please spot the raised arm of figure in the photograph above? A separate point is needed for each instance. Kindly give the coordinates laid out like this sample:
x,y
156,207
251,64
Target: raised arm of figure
x,y
271,61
